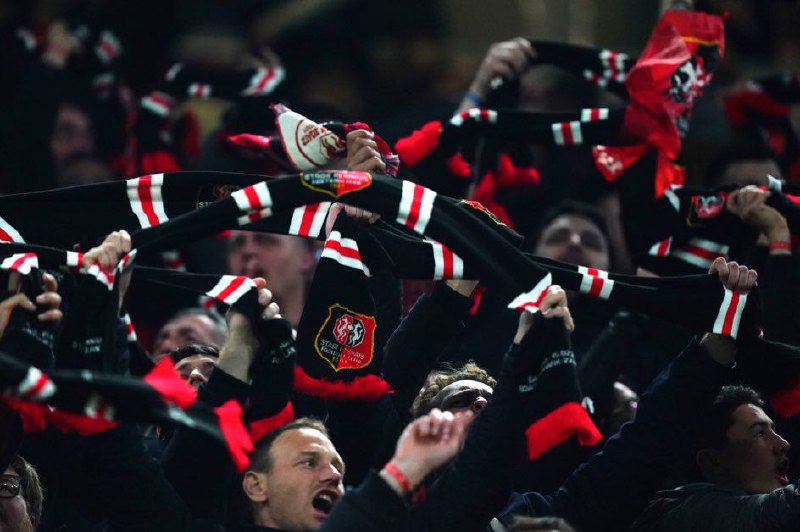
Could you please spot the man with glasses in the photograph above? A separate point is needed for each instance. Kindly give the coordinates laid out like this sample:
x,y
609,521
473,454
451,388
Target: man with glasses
x,y
20,497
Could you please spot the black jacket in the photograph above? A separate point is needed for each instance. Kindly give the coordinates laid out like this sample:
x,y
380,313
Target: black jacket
x,y
612,488
706,507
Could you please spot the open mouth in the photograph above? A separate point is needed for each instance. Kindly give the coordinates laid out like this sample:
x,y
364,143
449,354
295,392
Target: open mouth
x,y
782,472
324,500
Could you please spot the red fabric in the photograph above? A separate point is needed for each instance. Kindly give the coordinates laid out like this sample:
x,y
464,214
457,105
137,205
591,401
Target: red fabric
x,y
246,140
413,148
158,162
510,175
236,437
36,417
786,402
262,427
507,175
173,389
669,75
667,174
458,166
80,423
795,199
366,388
383,146
751,101
556,427
613,161
476,296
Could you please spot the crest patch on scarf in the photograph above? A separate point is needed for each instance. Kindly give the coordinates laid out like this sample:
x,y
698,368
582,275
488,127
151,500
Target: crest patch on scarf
x,y
337,184
346,339
705,207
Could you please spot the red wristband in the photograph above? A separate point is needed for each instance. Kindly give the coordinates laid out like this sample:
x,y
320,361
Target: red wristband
x,y
399,476
780,245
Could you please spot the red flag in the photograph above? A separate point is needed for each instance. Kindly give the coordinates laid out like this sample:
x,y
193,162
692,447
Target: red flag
x,y
676,65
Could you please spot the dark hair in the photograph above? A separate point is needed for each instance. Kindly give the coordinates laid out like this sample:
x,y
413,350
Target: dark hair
x,y
31,488
262,459
733,154
438,380
188,350
575,208
220,327
720,417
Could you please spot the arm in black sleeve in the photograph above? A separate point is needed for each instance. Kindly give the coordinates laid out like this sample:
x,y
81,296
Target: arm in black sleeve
x,y
198,466
600,367
476,485
609,490
416,344
386,292
128,486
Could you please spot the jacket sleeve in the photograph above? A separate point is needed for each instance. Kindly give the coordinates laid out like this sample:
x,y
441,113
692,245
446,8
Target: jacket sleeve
x,y
720,509
416,344
199,467
476,485
609,490
128,486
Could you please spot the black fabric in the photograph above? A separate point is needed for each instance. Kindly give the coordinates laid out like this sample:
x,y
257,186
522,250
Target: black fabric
x,y
336,337
272,371
609,491
32,340
720,509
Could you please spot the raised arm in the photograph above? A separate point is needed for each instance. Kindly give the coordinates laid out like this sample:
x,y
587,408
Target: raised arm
x,y
612,488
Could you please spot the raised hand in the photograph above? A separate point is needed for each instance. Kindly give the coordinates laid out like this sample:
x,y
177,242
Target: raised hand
x,y
553,305
426,444
362,152
508,60
240,346
749,204
49,302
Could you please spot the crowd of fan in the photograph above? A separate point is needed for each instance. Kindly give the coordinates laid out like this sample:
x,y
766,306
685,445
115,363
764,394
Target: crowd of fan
x,y
680,443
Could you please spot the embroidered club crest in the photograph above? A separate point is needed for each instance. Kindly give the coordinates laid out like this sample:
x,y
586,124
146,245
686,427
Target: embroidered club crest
x,y
346,339
706,207
337,184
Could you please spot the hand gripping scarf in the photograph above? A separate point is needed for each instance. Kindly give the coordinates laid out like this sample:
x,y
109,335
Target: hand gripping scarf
x,y
661,87
476,246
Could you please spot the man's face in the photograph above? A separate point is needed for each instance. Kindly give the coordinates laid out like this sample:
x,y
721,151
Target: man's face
x,y
574,239
284,261
755,457
305,480
194,328
13,511
195,369
72,135
752,172
463,395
